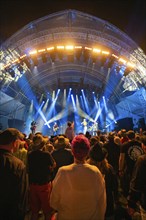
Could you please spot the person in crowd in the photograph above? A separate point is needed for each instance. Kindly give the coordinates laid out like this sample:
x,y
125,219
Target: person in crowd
x,y
62,154
93,140
88,135
49,147
98,133
40,168
97,157
117,140
13,177
69,132
124,137
103,138
21,152
129,153
113,152
137,191
79,189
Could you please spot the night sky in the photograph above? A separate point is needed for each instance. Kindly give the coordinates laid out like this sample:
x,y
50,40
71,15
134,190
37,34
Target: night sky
x,y
127,15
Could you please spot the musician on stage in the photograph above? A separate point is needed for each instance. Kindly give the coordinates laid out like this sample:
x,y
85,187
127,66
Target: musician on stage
x,y
95,128
33,127
84,123
55,128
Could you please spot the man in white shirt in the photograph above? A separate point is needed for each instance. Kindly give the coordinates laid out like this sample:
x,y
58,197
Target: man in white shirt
x,y
78,191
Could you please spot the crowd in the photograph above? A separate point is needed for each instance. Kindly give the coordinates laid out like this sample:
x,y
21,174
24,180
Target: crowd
x,y
73,176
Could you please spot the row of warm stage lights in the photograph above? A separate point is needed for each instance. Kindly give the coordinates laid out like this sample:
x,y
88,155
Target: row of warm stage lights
x,y
70,48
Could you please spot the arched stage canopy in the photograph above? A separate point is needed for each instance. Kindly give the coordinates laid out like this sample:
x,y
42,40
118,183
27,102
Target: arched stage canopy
x,y
73,49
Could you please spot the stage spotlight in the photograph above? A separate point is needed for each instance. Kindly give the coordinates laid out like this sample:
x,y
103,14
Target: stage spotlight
x,y
70,53
95,54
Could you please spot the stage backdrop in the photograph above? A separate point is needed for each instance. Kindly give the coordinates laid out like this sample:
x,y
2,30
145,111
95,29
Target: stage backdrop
x,y
16,123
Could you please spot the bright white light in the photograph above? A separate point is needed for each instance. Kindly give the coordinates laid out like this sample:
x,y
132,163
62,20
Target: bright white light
x,y
33,52
96,50
69,47
50,48
105,52
60,47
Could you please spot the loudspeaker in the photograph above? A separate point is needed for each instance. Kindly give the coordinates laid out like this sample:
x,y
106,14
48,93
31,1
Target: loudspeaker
x,y
16,123
125,123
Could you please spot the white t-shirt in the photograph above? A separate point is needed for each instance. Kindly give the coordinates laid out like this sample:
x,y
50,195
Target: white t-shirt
x,y
79,193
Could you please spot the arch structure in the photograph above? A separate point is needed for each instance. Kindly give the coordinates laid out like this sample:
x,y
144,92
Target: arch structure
x,y
74,49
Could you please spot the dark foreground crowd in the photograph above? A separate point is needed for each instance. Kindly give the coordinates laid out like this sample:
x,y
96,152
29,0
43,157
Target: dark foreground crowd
x,y
75,177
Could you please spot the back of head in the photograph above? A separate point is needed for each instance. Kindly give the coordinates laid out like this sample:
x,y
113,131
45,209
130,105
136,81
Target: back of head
x,y
69,123
49,147
123,133
61,142
117,140
97,153
93,140
10,135
38,141
80,147
131,134
111,136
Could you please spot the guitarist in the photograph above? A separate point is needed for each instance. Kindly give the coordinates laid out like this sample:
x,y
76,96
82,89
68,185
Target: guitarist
x,y
33,127
55,128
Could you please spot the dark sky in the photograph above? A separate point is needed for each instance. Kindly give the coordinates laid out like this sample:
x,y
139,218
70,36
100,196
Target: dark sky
x,y
127,15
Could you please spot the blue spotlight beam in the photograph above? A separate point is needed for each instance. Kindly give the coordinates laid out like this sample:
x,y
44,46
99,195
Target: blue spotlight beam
x,y
51,109
85,101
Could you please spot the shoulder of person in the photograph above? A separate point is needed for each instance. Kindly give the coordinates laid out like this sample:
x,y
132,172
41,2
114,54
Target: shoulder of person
x,y
19,163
